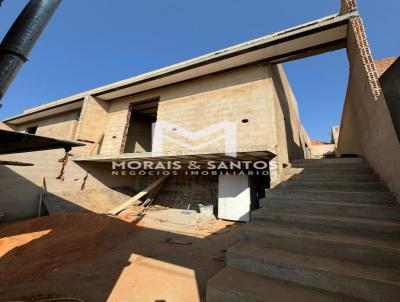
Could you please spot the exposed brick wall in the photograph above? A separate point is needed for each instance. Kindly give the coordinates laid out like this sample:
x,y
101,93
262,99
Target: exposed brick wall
x,y
246,93
126,129
93,119
115,128
62,126
366,55
348,6
182,190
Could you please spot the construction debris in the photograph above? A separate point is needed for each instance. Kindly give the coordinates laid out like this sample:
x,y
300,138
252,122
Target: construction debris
x,y
149,190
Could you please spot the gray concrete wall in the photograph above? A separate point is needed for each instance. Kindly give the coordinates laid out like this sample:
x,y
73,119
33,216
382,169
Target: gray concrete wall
x,y
20,186
259,94
246,93
290,134
366,127
61,126
93,119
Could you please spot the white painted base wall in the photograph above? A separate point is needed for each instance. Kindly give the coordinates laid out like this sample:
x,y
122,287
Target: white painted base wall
x,y
234,197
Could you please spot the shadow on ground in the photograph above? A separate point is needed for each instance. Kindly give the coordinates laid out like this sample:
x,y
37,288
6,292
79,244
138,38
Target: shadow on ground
x,y
100,258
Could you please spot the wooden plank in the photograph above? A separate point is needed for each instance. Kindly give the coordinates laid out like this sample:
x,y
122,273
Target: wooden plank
x,y
139,195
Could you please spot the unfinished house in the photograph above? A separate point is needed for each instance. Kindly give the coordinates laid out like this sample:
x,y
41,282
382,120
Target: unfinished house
x,y
115,122
326,230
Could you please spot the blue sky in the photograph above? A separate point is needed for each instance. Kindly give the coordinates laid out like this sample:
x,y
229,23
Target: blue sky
x,y
91,43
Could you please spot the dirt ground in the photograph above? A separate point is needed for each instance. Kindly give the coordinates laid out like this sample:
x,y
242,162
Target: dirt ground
x,y
99,258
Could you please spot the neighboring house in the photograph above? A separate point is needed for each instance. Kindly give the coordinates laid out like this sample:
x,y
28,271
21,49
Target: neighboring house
x,y
383,64
322,149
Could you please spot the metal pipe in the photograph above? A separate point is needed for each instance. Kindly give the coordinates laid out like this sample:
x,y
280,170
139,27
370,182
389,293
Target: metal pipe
x,y
21,38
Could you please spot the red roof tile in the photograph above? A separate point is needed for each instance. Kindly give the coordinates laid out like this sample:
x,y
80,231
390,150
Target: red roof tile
x,y
383,64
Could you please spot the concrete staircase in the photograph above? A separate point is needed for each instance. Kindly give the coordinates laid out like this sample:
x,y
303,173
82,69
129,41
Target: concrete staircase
x,y
330,232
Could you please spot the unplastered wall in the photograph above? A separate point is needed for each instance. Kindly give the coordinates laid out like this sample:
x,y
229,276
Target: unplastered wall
x,y
4,126
291,136
20,186
61,126
244,96
118,117
182,191
319,151
93,120
366,127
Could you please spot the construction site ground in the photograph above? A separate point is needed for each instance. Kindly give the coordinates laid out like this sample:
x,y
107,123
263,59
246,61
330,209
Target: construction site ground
x,y
98,258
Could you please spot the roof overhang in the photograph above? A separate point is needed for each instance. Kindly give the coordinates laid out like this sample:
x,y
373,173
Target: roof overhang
x,y
44,112
318,36
16,142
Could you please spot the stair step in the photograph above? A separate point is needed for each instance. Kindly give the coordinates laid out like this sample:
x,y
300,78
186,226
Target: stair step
x,y
239,286
342,160
329,165
332,186
366,177
331,224
369,283
329,171
390,212
352,197
344,247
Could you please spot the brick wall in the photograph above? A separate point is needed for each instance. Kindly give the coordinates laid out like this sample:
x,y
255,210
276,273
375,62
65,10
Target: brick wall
x,y
243,94
348,6
20,186
115,127
182,190
358,29
244,97
62,126
93,120
366,128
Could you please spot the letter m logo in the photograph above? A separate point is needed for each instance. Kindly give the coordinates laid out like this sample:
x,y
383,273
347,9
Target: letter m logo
x,y
161,129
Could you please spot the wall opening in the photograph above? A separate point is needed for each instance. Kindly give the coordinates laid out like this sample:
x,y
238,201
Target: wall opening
x,y
138,136
319,85
31,130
